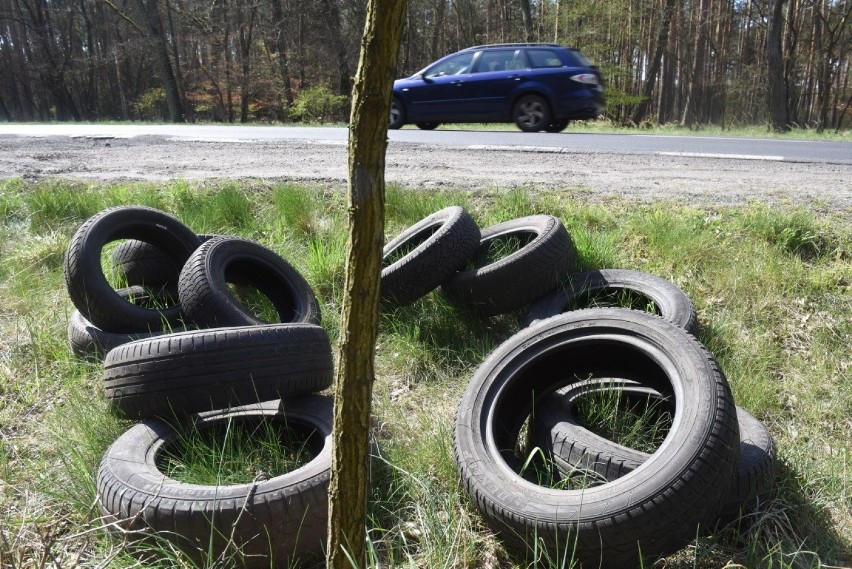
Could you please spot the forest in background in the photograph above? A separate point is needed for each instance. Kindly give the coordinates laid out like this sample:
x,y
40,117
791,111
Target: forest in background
x,y
782,63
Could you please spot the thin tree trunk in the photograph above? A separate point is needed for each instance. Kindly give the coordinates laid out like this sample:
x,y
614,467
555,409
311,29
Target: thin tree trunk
x,y
693,98
154,29
650,81
777,86
526,14
332,20
246,30
353,383
281,49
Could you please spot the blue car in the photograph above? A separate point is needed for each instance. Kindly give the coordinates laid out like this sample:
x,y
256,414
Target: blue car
x,y
536,86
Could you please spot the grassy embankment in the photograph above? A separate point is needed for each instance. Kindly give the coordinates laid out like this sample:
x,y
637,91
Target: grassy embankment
x,y
772,289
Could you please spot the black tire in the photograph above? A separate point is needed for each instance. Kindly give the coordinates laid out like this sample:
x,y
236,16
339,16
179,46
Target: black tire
x,y
435,248
671,302
207,301
271,522
514,281
656,508
572,446
177,374
531,113
557,126
90,342
144,264
88,287
428,125
397,114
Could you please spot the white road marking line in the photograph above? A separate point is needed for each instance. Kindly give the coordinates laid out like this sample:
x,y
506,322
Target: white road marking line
x,y
730,156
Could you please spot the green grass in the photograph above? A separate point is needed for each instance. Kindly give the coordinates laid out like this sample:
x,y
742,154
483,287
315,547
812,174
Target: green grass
x,y
236,452
773,289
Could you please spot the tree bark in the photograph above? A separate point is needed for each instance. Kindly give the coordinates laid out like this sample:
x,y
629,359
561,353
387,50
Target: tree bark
x,y
336,39
281,48
353,383
778,118
154,29
662,39
694,96
526,14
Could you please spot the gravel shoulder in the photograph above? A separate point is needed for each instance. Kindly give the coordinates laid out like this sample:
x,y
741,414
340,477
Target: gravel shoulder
x,y
824,188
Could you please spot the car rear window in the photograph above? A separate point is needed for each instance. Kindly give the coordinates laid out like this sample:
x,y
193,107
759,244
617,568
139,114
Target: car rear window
x,y
577,59
544,58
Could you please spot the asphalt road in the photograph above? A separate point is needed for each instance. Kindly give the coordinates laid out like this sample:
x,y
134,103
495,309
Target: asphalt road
x,y
700,171
802,151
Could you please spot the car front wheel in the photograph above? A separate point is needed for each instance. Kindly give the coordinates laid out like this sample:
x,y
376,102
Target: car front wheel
x,y
531,113
556,126
397,115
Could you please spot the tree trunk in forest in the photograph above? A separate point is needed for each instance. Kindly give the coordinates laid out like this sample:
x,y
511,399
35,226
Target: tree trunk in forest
x,y
246,30
154,30
281,49
651,79
696,87
335,32
353,382
526,15
176,36
778,118
440,11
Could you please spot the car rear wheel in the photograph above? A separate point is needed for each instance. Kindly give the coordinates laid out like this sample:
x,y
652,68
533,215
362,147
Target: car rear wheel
x,y
531,113
428,125
397,115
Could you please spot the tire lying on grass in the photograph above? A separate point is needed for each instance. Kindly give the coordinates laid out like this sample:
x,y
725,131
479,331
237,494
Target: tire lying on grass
x,y
209,302
265,522
174,375
653,510
512,281
666,299
87,285
90,342
572,446
427,254
145,264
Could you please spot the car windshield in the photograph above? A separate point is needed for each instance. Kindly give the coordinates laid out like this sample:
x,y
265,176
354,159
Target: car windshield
x,y
454,65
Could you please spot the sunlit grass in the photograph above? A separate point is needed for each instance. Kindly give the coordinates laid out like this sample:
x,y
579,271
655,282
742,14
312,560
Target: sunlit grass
x,y
773,289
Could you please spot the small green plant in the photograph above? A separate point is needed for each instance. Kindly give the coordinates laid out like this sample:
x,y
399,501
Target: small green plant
x,y
151,105
319,104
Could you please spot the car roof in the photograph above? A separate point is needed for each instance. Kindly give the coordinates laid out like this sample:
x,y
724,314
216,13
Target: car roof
x,y
524,44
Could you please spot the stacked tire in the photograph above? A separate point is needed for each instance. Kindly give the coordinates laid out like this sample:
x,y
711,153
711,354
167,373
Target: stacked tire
x,y
555,489
184,354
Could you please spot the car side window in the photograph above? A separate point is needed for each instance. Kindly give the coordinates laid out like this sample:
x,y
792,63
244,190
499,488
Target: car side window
x,y
495,61
452,66
543,58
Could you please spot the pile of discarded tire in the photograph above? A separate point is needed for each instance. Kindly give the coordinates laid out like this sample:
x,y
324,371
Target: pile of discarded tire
x,y
601,503
182,354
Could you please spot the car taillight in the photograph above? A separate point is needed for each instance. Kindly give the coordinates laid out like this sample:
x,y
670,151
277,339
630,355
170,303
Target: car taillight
x,y
588,78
